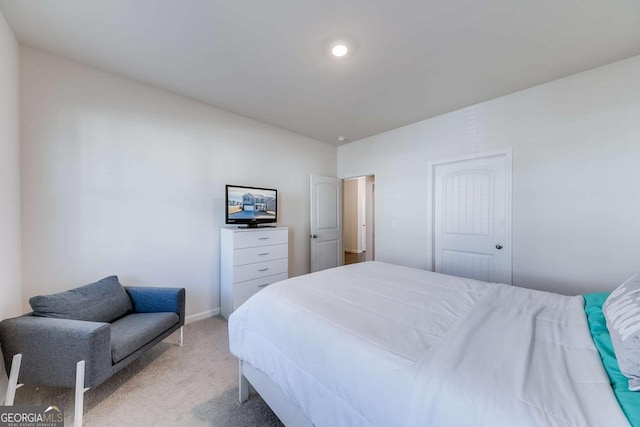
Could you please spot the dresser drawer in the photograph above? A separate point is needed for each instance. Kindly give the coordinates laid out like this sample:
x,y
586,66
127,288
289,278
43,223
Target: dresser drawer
x,y
242,291
260,254
242,273
249,239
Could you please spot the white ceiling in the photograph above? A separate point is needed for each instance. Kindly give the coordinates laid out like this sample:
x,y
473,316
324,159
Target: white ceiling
x,y
269,60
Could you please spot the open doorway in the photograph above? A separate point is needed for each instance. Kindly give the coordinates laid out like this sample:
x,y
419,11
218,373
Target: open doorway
x,y
358,219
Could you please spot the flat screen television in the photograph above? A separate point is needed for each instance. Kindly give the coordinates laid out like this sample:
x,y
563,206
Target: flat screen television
x,y
251,206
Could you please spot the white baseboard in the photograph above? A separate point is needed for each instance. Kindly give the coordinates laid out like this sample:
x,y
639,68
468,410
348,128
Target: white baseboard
x,y
200,316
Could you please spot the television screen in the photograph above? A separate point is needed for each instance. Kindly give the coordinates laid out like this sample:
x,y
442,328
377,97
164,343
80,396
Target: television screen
x,y
251,205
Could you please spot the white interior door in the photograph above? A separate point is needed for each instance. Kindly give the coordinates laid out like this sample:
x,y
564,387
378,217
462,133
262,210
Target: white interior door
x,y
472,218
326,223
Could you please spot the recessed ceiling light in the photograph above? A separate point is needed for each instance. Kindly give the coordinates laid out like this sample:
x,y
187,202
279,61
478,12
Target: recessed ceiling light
x,y
339,50
342,138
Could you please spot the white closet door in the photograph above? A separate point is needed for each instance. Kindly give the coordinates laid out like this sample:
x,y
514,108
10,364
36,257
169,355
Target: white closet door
x,y
472,211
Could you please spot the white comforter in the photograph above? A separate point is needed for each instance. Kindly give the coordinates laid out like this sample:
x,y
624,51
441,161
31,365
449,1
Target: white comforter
x,y
375,344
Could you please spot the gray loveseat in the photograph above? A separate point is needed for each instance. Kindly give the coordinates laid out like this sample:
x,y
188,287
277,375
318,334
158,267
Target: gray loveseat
x,y
104,324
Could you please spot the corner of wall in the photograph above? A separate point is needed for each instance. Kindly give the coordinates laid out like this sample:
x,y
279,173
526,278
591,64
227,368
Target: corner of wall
x,y
10,244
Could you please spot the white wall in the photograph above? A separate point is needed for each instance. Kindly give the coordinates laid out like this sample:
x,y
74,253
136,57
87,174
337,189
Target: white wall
x,y
576,177
350,215
10,286
369,190
121,178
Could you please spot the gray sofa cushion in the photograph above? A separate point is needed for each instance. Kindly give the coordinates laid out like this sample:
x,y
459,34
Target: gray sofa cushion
x,y
133,331
102,301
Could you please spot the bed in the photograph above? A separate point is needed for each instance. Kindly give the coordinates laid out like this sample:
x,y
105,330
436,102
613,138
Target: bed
x,y
376,344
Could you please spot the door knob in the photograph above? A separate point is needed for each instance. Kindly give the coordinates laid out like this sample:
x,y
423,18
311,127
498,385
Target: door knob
x,y
315,236
498,246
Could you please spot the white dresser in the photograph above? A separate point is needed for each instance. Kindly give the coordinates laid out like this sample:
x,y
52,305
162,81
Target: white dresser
x,y
250,259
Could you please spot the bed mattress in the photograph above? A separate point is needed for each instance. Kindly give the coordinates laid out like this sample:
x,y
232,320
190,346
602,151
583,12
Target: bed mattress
x,y
375,344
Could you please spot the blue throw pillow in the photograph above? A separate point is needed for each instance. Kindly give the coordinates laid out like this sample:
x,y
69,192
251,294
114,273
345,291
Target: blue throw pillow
x,y
103,301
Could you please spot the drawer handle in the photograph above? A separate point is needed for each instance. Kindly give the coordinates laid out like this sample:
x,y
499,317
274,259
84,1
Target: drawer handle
x,y
264,253
262,286
264,269
263,238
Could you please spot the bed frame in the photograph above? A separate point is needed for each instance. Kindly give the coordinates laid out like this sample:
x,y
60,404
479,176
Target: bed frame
x,y
288,412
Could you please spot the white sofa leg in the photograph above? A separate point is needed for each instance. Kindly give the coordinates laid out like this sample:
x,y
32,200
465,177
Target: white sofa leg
x,y
181,339
80,389
13,379
243,385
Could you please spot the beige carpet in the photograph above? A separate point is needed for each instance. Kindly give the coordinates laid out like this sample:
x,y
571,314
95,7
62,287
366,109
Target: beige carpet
x,y
193,385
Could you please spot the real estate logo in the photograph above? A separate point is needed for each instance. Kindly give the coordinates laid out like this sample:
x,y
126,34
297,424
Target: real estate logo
x,y
31,416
